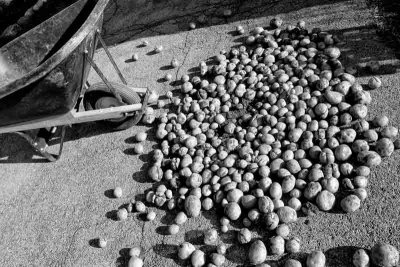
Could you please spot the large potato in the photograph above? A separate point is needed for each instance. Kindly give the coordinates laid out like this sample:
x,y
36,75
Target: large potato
x,y
316,259
384,255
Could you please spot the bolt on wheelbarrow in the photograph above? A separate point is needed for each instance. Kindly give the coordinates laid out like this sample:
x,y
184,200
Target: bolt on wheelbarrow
x,y
45,79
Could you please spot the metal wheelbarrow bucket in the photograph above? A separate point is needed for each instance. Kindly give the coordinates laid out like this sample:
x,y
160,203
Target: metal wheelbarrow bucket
x,y
43,78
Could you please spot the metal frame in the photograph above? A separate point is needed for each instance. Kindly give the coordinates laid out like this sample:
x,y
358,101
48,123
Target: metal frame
x,y
40,143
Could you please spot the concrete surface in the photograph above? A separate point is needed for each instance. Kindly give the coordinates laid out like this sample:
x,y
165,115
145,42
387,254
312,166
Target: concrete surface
x,y
52,212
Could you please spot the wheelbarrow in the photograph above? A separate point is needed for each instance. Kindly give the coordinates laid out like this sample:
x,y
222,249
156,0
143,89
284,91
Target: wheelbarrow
x,y
43,79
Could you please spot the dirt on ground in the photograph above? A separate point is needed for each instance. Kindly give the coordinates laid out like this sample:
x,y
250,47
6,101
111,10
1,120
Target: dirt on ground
x,y
52,213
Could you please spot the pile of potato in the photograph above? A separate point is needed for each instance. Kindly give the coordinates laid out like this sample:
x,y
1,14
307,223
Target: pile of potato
x,y
268,130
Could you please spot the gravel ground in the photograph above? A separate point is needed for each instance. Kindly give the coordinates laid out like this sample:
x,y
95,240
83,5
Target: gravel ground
x,y
51,213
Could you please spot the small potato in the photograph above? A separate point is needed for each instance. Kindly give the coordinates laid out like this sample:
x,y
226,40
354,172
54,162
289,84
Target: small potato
x,y
363,171
361,258
371,135
343,152
325,200
117,192
380,121
270,220
192,206
389,132
360,145
233,211
359,111
374,83
312,190
244,236
141,136
135,262
217,259
316,259
384,147
180,218
292,263
347,136
283,230
384,255
185,250
277,245
350,204
249,201
330,184
360,181
198,258
369,158
210,237
361,193
287,215
257,252
293,245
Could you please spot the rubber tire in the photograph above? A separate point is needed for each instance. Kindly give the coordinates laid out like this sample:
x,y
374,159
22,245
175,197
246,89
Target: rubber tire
x,y
99,90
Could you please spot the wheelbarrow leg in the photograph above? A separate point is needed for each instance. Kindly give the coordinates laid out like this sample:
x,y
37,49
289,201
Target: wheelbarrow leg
x,y
40,142
103,44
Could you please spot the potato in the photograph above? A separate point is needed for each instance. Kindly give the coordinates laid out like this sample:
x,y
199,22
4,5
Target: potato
x,y
287,215
293,245
271,220
316,259
312,190
371,135
384,255
374,83
360,181
234,195
333,97
361,258
359,111
380,121
232,211
293,166
389,132
210,237
369,158
155,173
288,184
294,203
384,147
277,245
244,236
217,259
315,175
360,145
325,200
361,193
292,263
275,190
192,206
346,169
283,230
351,203
347,136
265,204
257,252
198,258
343,152
135,262
248,201
330,184
185,250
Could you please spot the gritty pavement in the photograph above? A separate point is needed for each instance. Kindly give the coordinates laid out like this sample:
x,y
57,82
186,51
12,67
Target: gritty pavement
x,y
51,213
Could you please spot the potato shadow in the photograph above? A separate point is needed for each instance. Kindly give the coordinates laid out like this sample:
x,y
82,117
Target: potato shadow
x,y
340,256
127,20
94,242
358,47
168,251
123,258
196,237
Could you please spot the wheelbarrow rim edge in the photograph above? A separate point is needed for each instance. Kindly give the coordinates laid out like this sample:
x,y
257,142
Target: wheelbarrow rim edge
x,y
47,66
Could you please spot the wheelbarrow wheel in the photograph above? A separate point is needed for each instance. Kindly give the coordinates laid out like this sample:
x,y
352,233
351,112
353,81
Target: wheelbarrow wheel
x,y
99,96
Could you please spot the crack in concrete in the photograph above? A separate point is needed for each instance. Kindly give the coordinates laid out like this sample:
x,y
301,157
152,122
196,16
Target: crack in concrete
x,y
185,57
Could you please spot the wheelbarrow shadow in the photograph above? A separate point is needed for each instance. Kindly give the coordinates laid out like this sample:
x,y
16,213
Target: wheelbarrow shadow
x,y
15,149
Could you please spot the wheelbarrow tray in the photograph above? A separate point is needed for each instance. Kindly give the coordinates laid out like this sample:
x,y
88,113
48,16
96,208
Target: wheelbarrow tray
x,y
46,66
